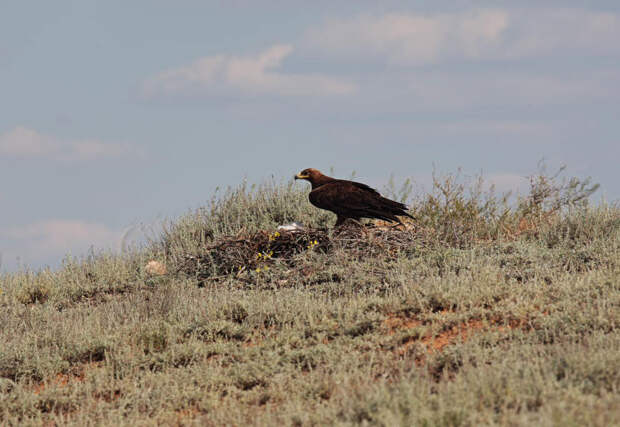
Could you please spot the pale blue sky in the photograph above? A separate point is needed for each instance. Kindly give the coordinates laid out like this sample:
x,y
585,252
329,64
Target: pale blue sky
x,y
115,113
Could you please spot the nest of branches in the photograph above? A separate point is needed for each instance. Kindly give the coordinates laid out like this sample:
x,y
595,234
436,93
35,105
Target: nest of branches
x,y
232,254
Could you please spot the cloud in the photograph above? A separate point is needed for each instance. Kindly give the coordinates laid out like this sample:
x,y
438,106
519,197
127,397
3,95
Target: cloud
x,y
418,39
543,31
251,74
48,241
462,90
22,142
438,89
496,127
63,234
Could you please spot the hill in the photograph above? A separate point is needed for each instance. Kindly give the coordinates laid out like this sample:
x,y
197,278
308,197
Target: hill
x,y
485,310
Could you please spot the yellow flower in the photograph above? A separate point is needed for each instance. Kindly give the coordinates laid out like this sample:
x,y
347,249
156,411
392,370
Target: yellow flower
x,y
313,243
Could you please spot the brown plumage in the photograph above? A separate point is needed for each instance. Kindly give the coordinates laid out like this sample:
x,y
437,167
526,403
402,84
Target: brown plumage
x,y
349,199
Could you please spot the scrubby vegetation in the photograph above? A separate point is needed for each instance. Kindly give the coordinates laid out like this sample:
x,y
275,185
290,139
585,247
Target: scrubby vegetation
x,y
487,309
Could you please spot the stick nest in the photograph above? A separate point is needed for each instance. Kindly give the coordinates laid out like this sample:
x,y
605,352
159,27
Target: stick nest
x,y
232,254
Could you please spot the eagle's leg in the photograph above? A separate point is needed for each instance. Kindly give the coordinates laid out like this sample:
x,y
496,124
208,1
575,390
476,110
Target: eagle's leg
x,y
398,224
340,220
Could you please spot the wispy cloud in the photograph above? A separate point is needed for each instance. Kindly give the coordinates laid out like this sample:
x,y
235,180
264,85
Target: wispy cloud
x,y
495,127
417,39
22,142
462,90
250,74
47,241
63,234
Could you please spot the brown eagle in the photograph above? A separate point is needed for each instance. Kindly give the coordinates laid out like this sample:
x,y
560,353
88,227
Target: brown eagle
x,y
349,199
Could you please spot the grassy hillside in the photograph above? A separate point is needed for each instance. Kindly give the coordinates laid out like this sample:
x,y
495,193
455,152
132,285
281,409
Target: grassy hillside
x,y
485,310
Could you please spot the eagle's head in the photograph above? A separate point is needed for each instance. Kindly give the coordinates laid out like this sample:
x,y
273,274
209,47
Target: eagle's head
x,y
309,174
315,177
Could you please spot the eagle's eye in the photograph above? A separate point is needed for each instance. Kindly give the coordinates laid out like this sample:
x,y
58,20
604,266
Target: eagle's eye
x,y
304,174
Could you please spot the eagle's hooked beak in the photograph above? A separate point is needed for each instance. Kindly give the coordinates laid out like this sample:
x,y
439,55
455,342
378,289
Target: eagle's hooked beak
x,y
300,176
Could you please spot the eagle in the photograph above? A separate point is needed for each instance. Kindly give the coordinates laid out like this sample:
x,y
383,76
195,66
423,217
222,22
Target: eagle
x,y
349,199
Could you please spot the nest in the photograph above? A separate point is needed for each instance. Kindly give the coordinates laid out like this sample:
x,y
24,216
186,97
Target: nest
x,y
232,254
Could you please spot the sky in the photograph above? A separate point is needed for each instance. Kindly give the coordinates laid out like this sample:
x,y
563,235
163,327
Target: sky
x,y
116,115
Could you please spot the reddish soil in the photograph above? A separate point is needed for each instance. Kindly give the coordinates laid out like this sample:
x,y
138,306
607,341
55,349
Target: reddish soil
x,y
448,336
78,374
